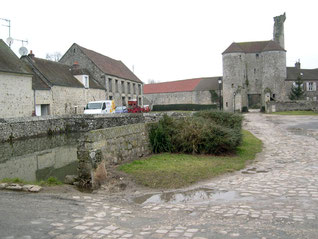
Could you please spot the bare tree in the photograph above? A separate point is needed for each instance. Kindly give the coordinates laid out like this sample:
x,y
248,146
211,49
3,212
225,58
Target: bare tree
x,y
151,81
56,56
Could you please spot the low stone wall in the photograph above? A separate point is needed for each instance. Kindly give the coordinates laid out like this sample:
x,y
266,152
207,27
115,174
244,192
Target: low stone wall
x,y
279,106
20,128
98,149
26,127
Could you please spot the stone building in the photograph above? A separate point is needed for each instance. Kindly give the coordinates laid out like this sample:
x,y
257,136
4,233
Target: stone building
x,y
255,72
120,83
192,91
16,95
60,89
309,78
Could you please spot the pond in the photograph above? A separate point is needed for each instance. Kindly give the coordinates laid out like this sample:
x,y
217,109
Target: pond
x,y
37,159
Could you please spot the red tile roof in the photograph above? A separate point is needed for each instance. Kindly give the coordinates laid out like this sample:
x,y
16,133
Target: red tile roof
x,y
253,47
181,85
110,66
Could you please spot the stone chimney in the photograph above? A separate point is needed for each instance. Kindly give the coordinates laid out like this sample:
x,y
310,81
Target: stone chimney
x,y
278,35
31,55
297,64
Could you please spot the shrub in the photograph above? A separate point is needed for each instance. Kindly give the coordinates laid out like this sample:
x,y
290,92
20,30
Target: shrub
x,y
226,119
195,135
186,107
160,135
202,136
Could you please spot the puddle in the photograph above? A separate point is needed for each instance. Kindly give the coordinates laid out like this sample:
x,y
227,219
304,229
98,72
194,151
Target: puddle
x,y
199,195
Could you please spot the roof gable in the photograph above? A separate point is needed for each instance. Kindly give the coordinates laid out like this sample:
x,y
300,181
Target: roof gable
x,y
253,47
9,62
109,65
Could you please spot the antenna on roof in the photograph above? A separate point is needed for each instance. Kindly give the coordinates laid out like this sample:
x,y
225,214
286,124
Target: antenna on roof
x,y
9,39
133,68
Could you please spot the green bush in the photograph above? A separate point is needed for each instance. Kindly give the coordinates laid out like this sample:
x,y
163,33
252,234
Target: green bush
x,y
226,119
201,135
185,107
160,135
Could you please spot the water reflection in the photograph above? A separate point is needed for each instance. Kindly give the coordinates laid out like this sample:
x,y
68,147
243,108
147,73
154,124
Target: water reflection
x,y
37,159
196,195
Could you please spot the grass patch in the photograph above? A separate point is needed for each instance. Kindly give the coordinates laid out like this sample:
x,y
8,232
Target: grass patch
x,y
296,112
178,170
51,181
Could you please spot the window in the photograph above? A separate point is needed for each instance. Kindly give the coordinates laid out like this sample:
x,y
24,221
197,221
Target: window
x,y
226,104
123,100
128,87
110,97
254,71
86,82
74,50
257,55
134,88
110,85
232,85
116,85
139,89
139,101
123,87
311,86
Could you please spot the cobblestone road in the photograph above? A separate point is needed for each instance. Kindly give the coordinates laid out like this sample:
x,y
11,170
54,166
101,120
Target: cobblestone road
x,y
275,197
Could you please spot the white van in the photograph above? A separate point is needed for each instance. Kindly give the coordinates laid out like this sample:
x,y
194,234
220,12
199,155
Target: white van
x,y
100,107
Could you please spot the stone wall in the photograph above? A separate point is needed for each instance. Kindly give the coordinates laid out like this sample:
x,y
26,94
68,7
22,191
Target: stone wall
x,y
16,95
100,148
191,97
18,128
276,106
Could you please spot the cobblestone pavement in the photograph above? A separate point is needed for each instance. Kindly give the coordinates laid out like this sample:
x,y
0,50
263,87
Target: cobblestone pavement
x,y
275,197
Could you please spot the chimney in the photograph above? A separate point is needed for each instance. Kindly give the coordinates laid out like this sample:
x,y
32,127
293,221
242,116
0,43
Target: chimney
x,y
297,64
31,55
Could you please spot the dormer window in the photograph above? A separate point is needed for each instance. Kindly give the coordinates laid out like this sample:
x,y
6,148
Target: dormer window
x,y
86,81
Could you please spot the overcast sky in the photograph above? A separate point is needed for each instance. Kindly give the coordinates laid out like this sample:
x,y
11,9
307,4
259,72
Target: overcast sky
x,y
164,40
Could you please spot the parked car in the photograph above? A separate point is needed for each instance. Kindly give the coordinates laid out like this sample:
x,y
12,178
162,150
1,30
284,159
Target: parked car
x,y
121,109
100,107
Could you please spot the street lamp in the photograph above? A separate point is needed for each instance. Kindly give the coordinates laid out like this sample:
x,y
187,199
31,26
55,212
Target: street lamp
x,y
220,99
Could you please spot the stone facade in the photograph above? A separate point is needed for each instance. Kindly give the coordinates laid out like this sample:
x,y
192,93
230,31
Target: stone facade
x,y
117,88
16,95
254,73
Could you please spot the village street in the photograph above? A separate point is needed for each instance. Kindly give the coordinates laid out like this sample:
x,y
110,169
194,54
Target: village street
x,y
275,197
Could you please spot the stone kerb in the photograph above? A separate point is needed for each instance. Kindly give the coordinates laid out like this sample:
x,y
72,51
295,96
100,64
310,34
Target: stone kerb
x,y
99,149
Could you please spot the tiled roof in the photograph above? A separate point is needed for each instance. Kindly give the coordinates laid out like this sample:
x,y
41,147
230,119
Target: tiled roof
x,y
197,84
307,74
55,73
110,66
9,62
253,47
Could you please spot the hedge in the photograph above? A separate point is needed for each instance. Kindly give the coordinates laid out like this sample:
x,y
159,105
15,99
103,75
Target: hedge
x,y
185,107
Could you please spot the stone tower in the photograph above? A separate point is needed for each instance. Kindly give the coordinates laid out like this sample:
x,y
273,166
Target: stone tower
x,y
278,34
254,72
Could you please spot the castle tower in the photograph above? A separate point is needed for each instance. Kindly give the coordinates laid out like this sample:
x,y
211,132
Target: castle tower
x,y
278,35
